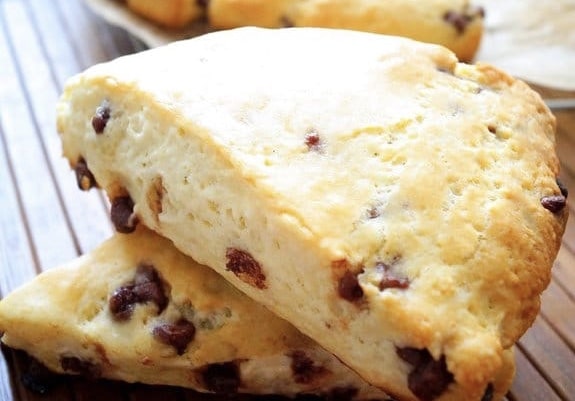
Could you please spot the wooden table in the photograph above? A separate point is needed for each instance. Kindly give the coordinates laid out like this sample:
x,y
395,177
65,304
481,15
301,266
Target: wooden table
x,y
45,220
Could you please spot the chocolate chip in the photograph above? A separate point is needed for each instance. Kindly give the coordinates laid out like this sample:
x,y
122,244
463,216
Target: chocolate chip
x,y
122,214
101,117
202,3
429,378
84,176
222,377
313,141
461,19
82,367
413,356
286,22
146,287
554,203
458,20
492,129
178,334
562,188
390,279
342,394
349,288
245,267
303,368
488,395
149,287
122,301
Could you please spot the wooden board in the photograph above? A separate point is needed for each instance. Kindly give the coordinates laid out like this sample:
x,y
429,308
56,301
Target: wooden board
x,y
45,220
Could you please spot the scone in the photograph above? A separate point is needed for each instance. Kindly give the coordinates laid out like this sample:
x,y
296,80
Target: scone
x,y
455,24
168,13
136,309
398,207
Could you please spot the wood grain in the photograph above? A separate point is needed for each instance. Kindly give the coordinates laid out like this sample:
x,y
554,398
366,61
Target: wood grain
x,y
45,220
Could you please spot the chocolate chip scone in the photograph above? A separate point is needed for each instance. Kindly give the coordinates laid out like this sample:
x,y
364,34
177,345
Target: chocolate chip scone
x,y
169,13
136,309
456,24
399,207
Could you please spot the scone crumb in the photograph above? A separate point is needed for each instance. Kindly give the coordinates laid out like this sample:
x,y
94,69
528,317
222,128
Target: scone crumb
x,y
156,193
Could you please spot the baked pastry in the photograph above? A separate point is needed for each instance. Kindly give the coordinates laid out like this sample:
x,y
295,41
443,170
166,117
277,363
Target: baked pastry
x,y
395,205
456,24
136,309
168,13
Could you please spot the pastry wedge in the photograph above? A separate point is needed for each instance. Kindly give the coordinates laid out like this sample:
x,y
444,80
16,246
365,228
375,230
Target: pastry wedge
x,y
135,309
400,208
456,24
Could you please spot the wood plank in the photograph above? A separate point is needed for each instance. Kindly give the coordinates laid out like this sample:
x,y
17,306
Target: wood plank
x,y
60,55
559,311
569,235
552,357
16,256
39,199
529,385
564,271
79,26
84,213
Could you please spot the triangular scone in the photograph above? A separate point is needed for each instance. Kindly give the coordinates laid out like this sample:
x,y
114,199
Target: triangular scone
x,y
398,207
136,309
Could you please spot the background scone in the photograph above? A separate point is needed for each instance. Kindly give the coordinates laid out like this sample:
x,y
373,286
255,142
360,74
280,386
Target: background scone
x,y
168,13
397,206
136,309
456,24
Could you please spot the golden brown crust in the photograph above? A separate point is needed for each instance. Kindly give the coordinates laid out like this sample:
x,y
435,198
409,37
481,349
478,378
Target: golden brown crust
x,y
172,14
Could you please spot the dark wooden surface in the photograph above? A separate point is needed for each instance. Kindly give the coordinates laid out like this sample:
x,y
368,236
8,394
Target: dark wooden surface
x,y
45,220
